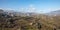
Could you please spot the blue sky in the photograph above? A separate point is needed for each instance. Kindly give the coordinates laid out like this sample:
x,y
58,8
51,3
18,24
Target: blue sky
x,y
39,6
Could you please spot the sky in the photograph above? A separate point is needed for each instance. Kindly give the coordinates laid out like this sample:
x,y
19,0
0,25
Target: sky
x,y
39,6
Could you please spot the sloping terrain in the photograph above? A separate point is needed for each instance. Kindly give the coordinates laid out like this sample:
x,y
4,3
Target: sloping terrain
x,y
33,22
41,22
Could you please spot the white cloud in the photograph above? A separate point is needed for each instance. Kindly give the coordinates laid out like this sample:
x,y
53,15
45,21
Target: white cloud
x,y
53,9
1,8
22,9
31,8
31,5
7,8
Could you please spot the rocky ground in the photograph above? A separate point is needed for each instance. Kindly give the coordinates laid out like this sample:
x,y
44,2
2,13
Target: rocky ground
x,y
41,22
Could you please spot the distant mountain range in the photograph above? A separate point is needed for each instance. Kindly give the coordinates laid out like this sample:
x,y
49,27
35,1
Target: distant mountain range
x,y
18,13
54,13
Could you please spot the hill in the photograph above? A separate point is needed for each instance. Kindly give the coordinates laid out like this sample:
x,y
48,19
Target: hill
x,y
31,22
54,13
